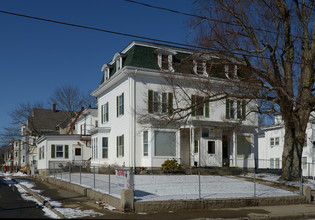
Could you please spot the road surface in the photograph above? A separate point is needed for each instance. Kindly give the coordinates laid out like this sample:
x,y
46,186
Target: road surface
x,y
12,205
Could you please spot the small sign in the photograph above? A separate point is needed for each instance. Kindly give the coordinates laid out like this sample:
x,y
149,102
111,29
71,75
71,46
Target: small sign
x,y
123,178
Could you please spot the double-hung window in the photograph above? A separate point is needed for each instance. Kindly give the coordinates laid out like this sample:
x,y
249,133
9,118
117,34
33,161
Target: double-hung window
x,y
272,142
200,106
160,102
105,113
145,143
120,146
165,59
105,147
200,67
235,109
120,104
59,151
95,148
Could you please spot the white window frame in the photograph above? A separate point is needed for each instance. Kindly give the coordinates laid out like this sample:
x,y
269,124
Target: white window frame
x,y
59,151
169,53
155,143
106,74
104,148
120,146
227,73
272,142
272,163
105,113
145,143
95,148
203,66
118,63
120,105
277,163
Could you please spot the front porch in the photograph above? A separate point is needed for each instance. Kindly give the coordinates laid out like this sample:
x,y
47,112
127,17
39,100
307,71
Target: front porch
x,y
205,146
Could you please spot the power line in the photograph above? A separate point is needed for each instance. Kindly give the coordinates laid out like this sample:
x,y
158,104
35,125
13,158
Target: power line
x,y
95,29
134,36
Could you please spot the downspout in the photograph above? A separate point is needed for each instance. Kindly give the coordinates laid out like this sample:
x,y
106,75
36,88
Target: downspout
x,y
134,119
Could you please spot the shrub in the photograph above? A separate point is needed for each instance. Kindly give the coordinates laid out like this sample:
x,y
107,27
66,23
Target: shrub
x,y
170,165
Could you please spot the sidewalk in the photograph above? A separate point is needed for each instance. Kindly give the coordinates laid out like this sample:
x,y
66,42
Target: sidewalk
x,y
71,199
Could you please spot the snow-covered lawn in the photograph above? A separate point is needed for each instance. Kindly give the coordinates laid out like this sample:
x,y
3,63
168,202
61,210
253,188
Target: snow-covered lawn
x,y
171,187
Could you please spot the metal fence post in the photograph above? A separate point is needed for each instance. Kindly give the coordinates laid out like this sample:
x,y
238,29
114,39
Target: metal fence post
x,y
199,184
301,182
94,177
108,179
254,183
80,173
131,178
54,170
61,174
70,172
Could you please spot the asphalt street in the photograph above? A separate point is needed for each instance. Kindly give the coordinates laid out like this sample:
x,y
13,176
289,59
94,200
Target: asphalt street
x,y
12,205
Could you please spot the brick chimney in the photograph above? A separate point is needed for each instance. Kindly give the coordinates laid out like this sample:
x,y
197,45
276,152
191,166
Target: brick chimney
x,y
54,108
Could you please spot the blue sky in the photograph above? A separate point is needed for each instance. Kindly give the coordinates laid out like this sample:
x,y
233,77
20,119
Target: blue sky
x,y
37,56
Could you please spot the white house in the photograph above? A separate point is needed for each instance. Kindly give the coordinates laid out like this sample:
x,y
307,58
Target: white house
x,y
133,87
54,151
87,121
271,144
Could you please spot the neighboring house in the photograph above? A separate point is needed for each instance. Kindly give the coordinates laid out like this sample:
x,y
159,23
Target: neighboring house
x,y
55,152
42,122
271,143
71,147
133,86
87,121
18,154
9,157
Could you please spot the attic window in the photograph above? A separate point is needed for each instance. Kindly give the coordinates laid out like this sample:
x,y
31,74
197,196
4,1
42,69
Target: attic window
x,y
231,71
106,74
165,59
118,63
200,67
106,69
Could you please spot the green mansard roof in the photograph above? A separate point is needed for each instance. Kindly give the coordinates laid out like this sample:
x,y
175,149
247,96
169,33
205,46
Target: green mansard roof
x,y
144,55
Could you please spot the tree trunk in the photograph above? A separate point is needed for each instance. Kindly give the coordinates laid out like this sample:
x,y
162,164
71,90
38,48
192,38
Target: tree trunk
x,y
292,153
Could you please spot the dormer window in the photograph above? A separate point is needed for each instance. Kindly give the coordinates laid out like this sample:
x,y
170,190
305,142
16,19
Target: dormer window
x,y
118,60
106,74
118,63
106,69
231,71
165,59
165,62
200,67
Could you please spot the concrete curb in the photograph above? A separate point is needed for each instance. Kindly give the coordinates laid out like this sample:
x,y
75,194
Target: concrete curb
x,y
43,201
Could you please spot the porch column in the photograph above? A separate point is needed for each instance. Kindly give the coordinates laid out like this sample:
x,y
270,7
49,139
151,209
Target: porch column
x,y
192,145
233,155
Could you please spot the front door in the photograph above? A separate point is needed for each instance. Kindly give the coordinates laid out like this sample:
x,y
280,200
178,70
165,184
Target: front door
x,y
77,154
210,153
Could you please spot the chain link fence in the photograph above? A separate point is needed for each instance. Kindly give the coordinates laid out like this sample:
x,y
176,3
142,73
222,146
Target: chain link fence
x,y
191,183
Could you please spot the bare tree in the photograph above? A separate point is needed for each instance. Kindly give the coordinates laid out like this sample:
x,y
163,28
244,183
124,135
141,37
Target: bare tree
x,y
71,99
67,98
275,40
19,115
